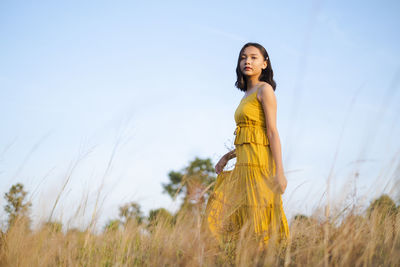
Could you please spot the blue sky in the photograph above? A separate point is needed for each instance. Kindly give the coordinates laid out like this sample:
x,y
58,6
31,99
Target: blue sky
x,y
130,90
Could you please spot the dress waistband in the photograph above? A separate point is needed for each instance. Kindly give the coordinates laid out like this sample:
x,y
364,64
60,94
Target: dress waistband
x,y
247,124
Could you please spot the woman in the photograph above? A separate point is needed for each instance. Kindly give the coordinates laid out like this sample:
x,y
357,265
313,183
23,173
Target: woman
x,y
250,194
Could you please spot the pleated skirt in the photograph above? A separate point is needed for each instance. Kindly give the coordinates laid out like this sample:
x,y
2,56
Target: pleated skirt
x,y
247,196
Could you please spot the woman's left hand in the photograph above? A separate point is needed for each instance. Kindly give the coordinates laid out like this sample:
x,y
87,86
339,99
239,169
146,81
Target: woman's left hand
x,y
281,182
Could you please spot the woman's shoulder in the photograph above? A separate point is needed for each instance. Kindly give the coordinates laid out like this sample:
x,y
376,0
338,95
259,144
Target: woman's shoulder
x,y
264,84
264,90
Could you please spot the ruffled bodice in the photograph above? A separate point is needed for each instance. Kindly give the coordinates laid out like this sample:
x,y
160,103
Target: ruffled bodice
x,y
250,122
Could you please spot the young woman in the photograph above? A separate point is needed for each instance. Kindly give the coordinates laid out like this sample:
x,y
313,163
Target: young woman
x,y
250,194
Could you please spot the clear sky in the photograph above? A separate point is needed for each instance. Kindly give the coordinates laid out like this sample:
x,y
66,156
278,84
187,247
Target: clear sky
x,y
112,95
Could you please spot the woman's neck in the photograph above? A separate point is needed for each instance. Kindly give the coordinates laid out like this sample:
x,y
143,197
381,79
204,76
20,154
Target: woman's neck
x,y
251,82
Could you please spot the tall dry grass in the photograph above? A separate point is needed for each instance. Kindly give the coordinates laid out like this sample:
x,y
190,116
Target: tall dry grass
x,y
357,240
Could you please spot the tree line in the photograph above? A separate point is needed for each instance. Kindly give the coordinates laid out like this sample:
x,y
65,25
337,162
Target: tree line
x,y
193,183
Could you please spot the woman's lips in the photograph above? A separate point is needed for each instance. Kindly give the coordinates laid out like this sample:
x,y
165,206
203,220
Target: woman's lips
x,y
247,68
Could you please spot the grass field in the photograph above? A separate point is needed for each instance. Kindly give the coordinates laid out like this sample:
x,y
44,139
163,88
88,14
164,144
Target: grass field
x,y
368,238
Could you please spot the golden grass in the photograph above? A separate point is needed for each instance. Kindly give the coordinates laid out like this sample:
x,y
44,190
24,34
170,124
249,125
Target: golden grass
x,y
358,240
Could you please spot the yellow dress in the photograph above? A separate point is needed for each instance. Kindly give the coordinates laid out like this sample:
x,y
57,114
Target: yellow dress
x,y
245,195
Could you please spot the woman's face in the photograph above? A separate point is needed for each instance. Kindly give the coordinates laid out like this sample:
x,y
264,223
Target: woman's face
x,y
252,62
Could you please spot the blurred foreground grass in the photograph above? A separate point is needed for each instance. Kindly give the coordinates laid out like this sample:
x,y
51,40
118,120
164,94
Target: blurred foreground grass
x,y
368,238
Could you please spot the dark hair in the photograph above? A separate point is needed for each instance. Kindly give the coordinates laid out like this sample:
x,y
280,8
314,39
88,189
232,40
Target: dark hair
x,y
266,75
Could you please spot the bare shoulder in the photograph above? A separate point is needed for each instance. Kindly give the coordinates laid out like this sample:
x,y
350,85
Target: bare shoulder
x,y
266,93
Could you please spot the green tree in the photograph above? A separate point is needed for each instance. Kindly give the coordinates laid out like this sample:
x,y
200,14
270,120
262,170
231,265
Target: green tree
x,y
112,225
383,205
129,212
159,215
193,182
17,206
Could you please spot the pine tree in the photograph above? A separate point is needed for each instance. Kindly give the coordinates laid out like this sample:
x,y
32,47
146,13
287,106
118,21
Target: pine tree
x,y
17,207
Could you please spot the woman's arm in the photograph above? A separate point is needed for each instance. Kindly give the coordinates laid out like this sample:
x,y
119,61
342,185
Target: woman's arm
x,y
268,100
224,159
230,155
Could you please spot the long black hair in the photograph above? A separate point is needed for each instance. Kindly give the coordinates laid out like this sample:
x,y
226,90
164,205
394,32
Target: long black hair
x,y
266,75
